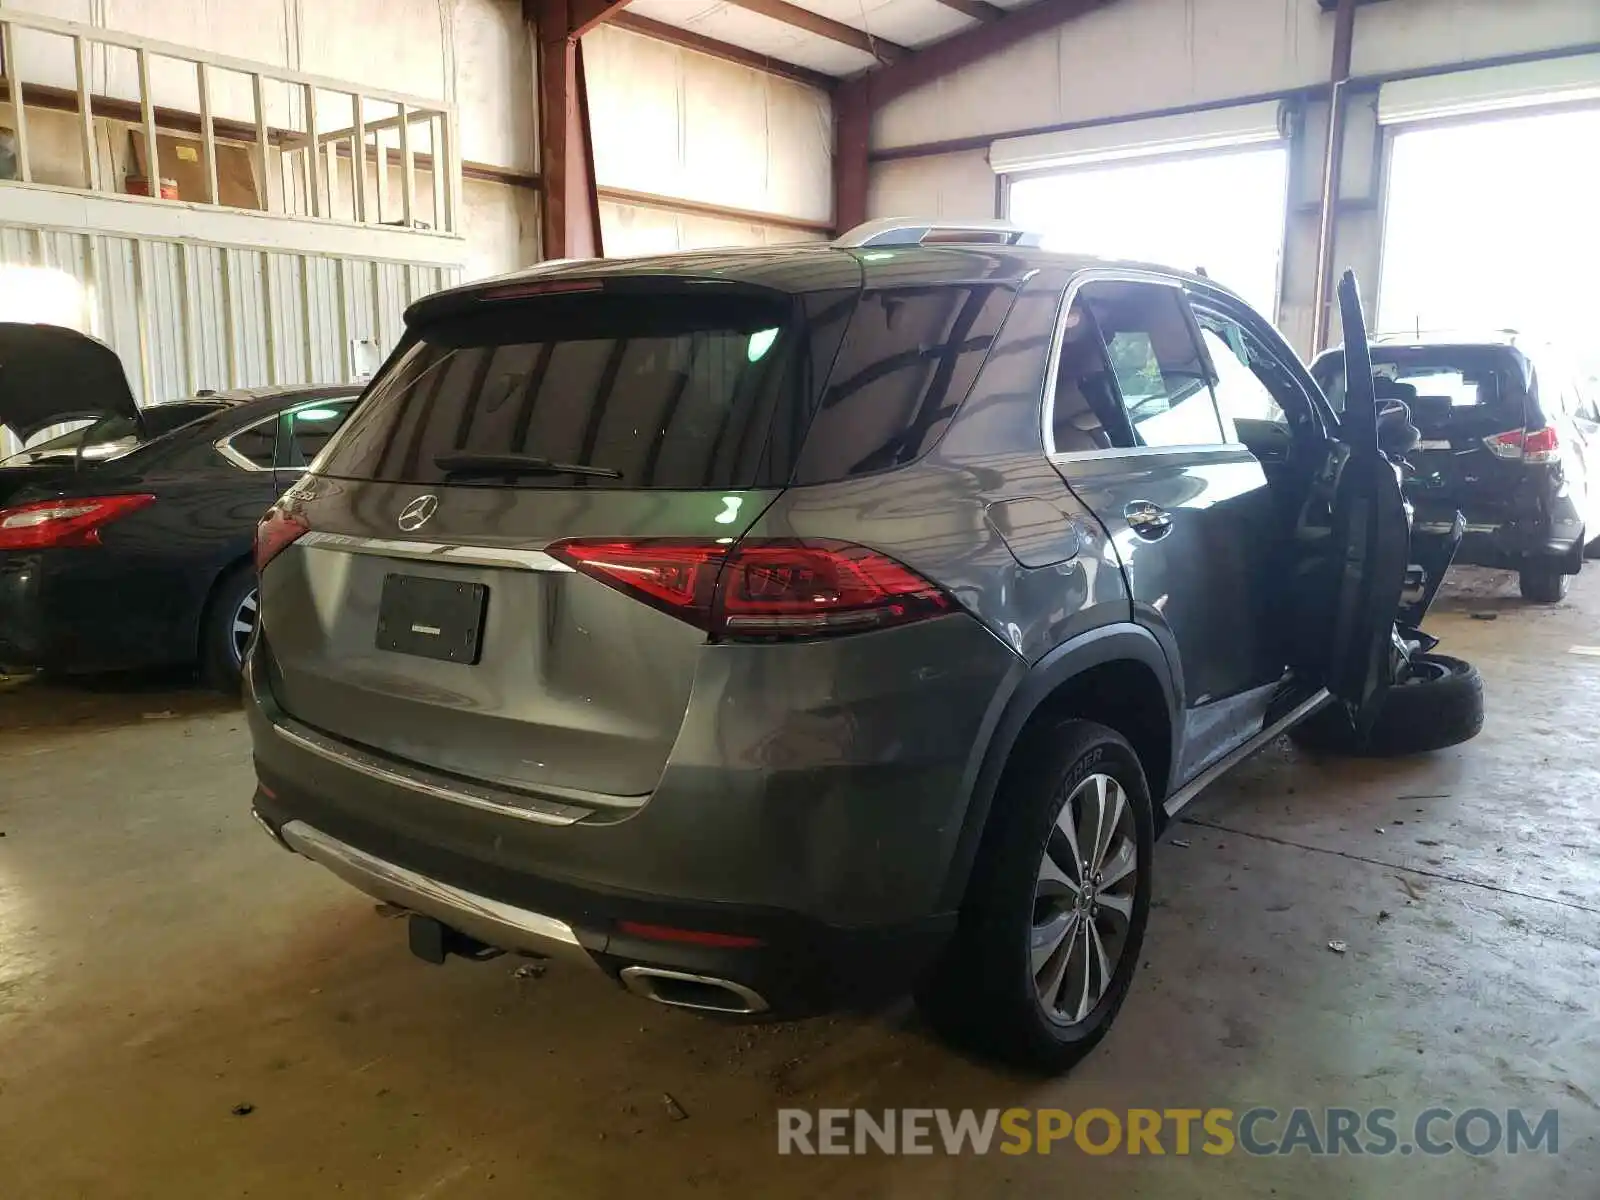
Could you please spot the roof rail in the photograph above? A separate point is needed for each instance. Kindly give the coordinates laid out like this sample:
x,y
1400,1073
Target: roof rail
x,y
915,231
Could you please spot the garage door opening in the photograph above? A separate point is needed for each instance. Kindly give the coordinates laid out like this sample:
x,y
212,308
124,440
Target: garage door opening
x,y
1223,212
1492,226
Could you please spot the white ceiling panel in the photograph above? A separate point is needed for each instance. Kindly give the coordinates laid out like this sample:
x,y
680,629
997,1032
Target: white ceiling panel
x,y
741,27
906,22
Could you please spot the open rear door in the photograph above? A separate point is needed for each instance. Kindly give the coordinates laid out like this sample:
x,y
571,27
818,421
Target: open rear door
x,y
1370,529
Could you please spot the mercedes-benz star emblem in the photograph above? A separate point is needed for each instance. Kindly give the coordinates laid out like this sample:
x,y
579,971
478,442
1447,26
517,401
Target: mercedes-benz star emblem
x,y
418,513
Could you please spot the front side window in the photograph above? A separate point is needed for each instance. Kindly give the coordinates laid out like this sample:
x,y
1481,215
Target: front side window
x,y
1241,393
1165,387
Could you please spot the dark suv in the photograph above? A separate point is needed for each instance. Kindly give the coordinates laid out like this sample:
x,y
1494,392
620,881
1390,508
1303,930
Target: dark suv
x,y
776,630
1507,438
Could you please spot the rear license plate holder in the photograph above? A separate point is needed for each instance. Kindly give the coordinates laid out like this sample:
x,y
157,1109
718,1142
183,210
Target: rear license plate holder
x,y
432,618
1434,444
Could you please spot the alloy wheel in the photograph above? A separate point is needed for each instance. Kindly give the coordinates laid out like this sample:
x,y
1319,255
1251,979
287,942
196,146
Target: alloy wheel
x,y
243,626
1083,899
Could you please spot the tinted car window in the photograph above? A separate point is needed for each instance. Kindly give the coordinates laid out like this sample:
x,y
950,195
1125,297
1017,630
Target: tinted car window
x,y
671,391
257,444
908,360
1086,415
1164,384
306,430
1241,393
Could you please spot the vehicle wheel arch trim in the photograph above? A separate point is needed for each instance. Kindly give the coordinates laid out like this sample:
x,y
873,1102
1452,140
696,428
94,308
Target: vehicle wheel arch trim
x,y
1123,641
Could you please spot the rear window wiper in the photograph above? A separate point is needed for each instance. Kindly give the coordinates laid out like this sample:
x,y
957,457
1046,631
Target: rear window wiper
x,y
515,464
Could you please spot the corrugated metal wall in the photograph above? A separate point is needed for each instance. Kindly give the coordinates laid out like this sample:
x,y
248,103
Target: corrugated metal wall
x,y
186,315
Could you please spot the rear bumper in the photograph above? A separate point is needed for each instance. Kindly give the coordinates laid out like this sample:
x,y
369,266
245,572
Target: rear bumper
x,y
489,921
783,965
88,610
814,879
1509,540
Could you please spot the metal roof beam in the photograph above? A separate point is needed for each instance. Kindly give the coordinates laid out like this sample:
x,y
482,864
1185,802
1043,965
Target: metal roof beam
x,y
826,27
959,50
689,40
978,10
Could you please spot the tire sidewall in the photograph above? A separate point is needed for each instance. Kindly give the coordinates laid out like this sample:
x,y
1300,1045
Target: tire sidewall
x,y
1435,712
1032,797
218,664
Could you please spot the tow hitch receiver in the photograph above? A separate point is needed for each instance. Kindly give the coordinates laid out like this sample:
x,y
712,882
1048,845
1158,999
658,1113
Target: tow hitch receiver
x,y
434,941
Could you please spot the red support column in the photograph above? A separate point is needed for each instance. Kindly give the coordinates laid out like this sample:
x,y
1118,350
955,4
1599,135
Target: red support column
x,y
569,208
852,133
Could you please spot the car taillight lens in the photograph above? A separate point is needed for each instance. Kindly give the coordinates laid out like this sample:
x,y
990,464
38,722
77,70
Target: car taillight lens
x,y
806,589
275,532
76,521
761,589
1531,445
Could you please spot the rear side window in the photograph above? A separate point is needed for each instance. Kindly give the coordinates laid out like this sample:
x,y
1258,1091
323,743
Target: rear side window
x,y
908,360
668,391
1086,415
257,444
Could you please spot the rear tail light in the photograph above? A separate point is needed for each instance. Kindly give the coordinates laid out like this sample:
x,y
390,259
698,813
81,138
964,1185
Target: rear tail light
x,y
275,532
75,521
761,589
1530,446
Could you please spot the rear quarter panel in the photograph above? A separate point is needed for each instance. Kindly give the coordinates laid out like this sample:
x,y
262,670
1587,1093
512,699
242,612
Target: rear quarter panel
x,y
944,515
137,598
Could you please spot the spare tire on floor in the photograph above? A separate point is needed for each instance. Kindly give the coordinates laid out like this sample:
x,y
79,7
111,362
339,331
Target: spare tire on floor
x,y
1439,704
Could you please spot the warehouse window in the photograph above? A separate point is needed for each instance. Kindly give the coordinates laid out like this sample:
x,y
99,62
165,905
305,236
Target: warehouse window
x,y
1492,226
1223,212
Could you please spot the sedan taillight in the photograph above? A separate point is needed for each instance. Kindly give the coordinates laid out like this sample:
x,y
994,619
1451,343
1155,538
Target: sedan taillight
x,y
74,521
761,589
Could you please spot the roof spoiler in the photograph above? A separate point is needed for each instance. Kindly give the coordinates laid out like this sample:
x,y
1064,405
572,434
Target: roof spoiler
x,y
912,231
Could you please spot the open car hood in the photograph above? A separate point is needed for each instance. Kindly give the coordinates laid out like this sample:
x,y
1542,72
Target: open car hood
x,y
49,375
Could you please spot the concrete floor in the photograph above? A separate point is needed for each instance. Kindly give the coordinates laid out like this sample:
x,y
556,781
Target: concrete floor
x,y
161,962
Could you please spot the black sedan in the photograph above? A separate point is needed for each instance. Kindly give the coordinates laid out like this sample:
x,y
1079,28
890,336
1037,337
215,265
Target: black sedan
x,y
134,550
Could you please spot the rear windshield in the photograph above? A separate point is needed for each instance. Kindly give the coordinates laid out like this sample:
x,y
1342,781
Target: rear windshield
x,y
1436,381
674,391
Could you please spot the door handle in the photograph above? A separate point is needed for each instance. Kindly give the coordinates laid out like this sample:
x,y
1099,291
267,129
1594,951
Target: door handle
x,y
1149,521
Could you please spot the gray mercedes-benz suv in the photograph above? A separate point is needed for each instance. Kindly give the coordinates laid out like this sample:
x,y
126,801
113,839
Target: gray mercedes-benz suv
x,y
776,630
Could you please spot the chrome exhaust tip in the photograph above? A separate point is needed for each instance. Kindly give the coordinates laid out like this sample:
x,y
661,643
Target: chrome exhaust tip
x,y
702,993
270,831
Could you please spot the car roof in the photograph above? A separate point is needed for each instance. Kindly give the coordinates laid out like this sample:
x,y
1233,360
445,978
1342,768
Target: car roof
x,y
249,404
286,395
807,267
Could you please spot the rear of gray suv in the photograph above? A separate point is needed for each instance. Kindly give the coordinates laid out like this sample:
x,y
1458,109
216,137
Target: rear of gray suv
x,y
617,603
783,630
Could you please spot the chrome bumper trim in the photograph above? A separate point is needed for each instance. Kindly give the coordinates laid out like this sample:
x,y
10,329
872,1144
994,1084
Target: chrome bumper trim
x,y
503,926
529,808
1449,527
438,552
